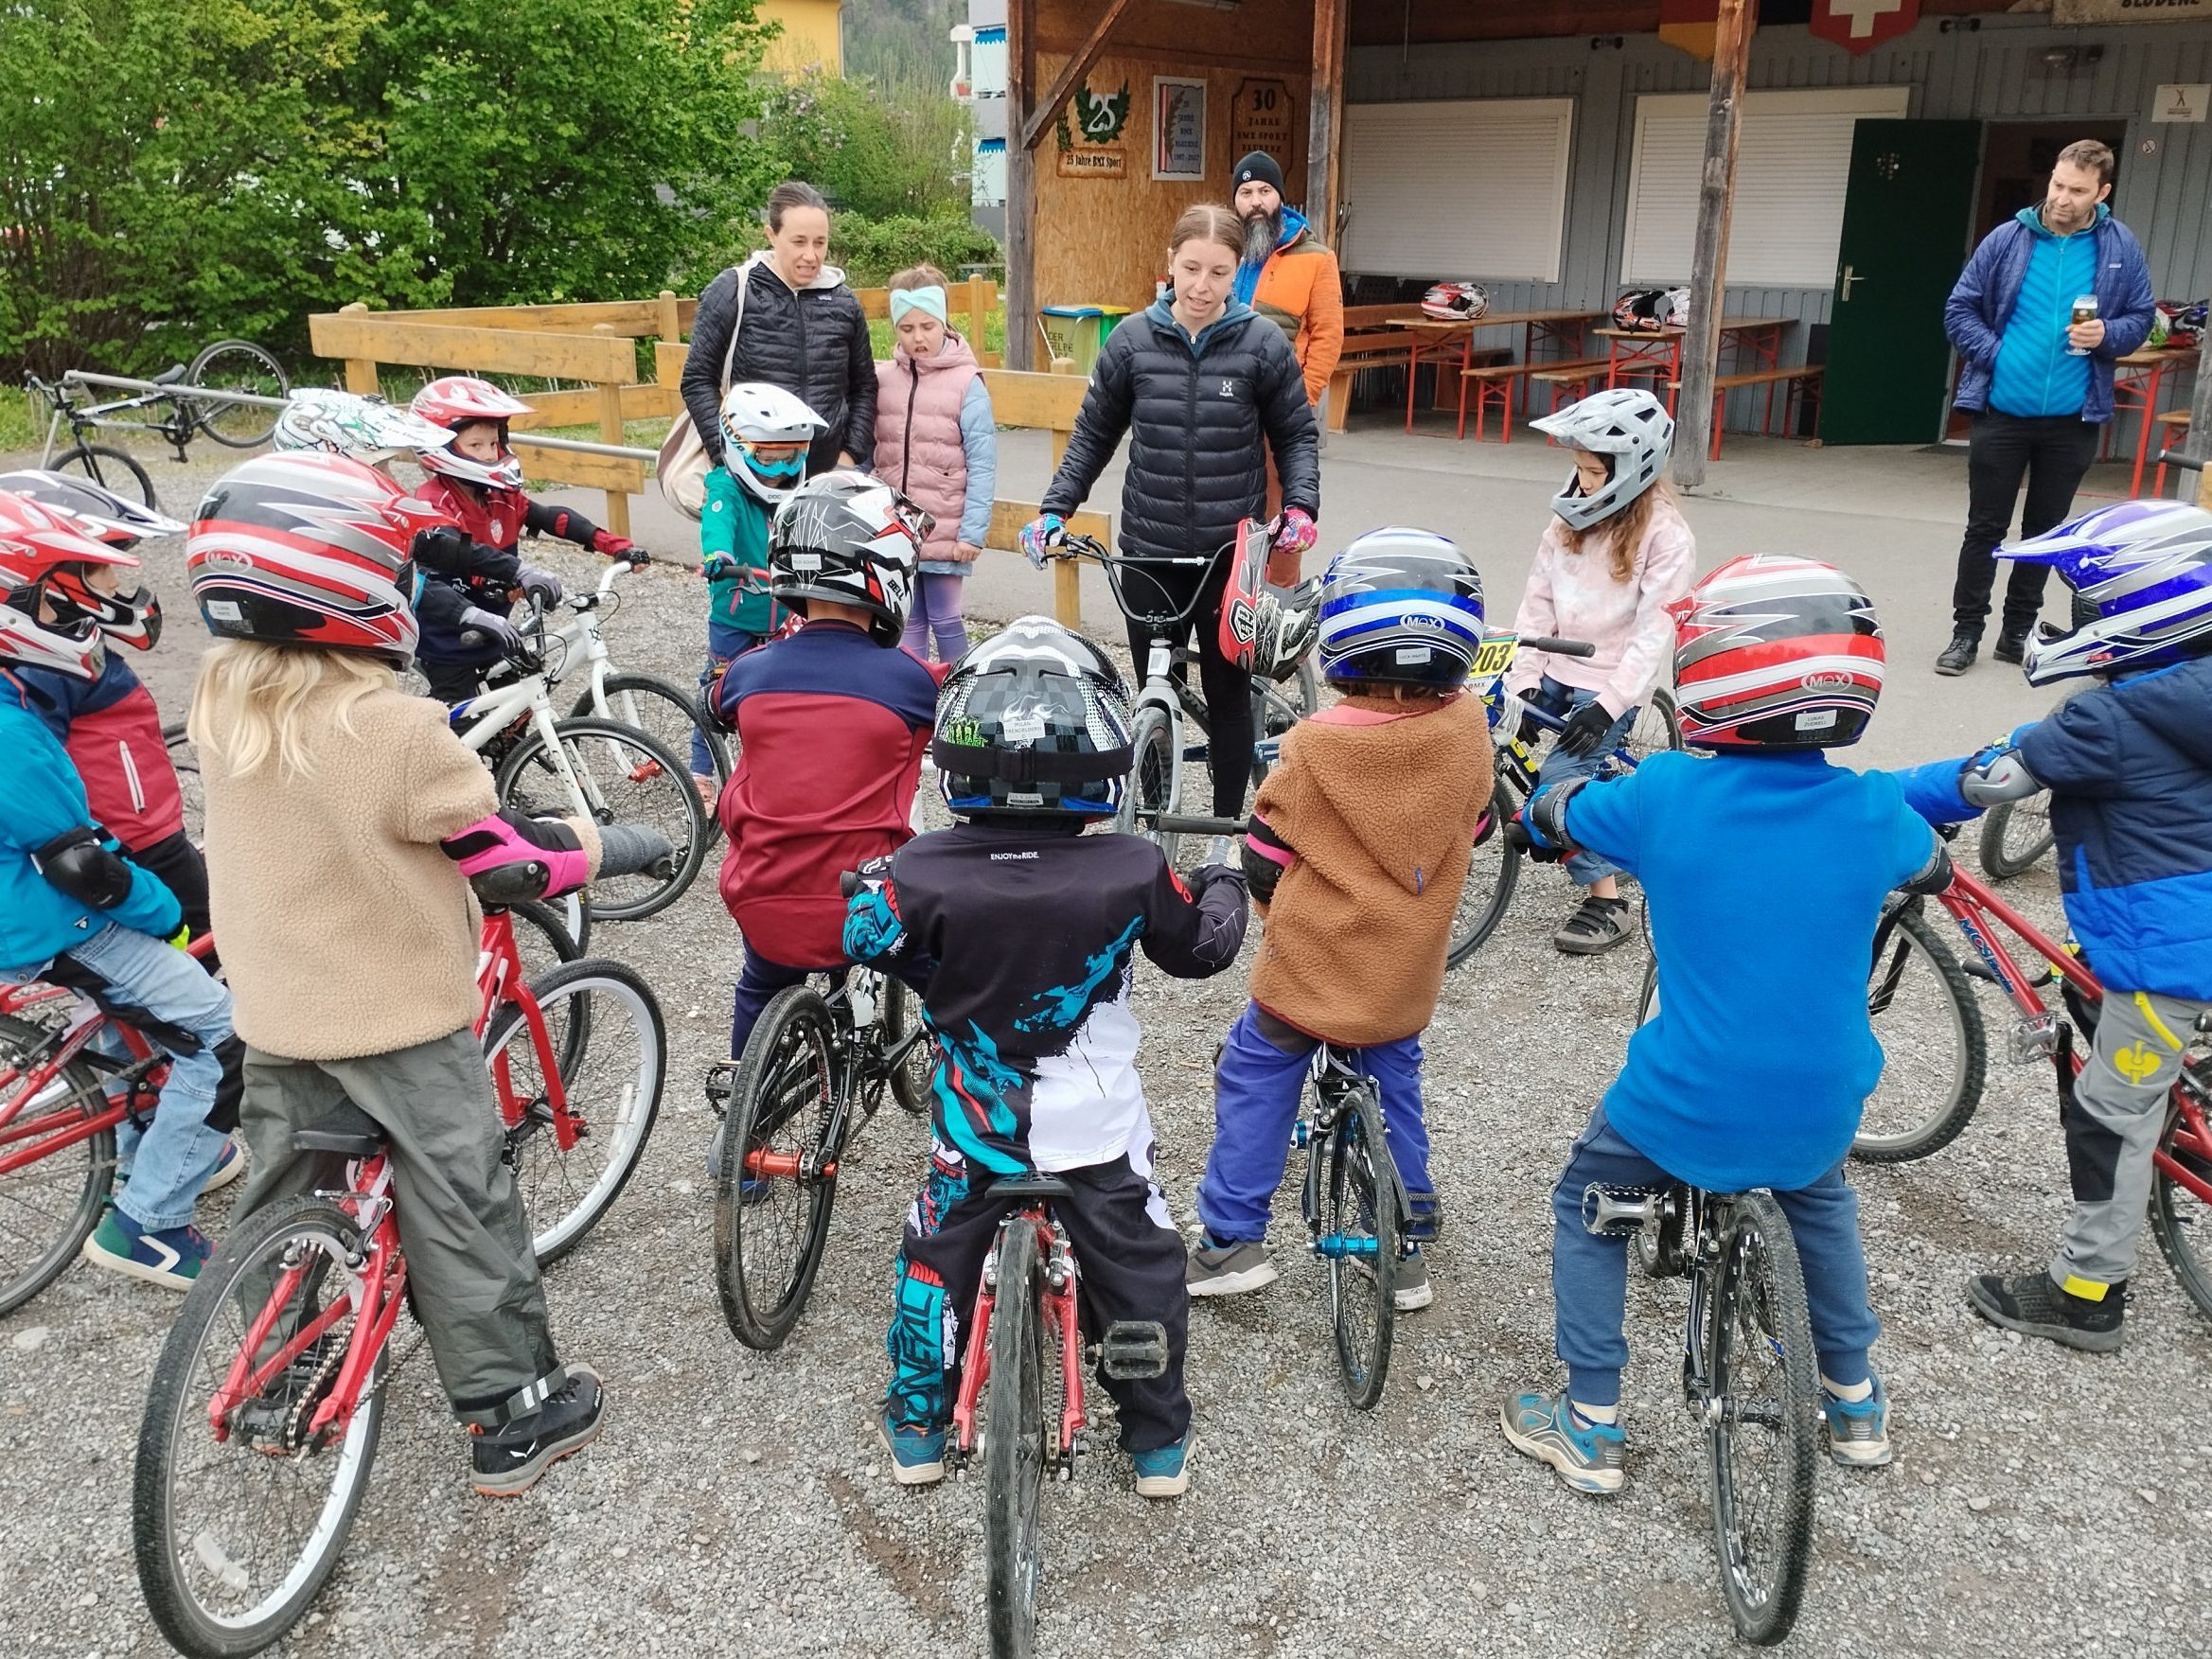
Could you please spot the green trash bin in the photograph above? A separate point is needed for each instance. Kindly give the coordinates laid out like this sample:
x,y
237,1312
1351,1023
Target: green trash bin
x,y
1075,333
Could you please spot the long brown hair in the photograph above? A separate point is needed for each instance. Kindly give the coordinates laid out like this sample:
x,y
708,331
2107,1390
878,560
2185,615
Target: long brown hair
x,y
1208,221
1625,529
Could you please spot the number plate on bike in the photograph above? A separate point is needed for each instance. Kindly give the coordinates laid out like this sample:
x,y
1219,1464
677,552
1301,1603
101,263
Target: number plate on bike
x,y
1495,657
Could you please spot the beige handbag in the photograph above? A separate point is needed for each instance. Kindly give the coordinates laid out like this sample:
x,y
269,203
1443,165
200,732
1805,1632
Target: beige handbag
x,y
682,468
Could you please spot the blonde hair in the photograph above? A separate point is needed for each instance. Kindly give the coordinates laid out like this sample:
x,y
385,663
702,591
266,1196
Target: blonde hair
x,y
257,704
922,275
1626,529
1208,222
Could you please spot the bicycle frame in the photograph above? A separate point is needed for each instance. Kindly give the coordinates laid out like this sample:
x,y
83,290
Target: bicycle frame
x,y
855,1009
1337,1083
86,418
500,981
1057,1305
1491,663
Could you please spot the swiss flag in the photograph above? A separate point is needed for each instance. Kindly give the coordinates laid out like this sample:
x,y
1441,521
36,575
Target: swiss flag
x,y
1859,25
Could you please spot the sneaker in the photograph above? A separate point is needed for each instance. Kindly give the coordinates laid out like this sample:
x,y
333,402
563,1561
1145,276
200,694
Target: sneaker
x,y
710,791
171,1258
2036,1305
1410,1290
1227,1270
749,1192
228,1167
1219,851
1597,925
1858,1430
1166,1472
509,1461
2012,645
1589,1456
917,1455
1959,654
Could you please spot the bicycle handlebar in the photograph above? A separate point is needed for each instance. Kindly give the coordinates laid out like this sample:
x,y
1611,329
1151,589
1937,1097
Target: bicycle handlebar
x,y
2176,458
1179,824
1557,647
848,883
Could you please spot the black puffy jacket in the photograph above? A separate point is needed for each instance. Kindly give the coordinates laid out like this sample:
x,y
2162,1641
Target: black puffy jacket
x,y
812,342
1201,419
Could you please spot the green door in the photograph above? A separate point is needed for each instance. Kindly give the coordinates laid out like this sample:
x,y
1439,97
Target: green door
x,y
1906,213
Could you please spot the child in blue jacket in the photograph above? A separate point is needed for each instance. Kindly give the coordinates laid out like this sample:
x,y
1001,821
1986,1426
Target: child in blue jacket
x,y
1761,1058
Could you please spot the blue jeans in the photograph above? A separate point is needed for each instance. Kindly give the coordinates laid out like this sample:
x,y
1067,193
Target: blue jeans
x,y
1561,700
761,979
723,642
1589,1272
171,1160
1256,1087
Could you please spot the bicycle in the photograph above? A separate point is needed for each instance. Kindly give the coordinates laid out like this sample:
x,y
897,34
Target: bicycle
x,y
1748,1374
1027,1325
176,417
1496,870
2014,834
788,1106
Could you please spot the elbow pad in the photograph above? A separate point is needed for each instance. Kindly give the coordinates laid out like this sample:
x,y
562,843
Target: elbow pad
x,y
1546,812
1995,776
84,864
509,858
1265,857
1933,877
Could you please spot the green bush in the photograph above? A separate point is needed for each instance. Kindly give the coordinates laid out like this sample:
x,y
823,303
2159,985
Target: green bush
x,y
869,250
872,151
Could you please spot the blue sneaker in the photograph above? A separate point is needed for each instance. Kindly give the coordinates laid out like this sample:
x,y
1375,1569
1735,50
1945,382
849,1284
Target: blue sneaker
x,y
171,1258
917,1455
1165,1471
1589,1456
1858,1430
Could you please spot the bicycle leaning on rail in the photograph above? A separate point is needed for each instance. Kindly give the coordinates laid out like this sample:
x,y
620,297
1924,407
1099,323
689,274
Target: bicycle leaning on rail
x,y
168,410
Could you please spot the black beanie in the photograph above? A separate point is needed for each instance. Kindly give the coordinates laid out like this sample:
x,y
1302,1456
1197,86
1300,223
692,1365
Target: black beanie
x,y
1258,167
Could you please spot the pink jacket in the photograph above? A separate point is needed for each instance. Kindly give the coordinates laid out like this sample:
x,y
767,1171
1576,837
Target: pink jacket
x,y
1574,596
918,449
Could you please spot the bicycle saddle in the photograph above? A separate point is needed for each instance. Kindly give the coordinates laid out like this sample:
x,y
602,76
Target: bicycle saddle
x,y
1031,1187
348,1130
169,375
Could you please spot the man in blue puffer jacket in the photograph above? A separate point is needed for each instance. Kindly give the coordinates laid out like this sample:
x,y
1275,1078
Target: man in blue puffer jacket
x,y
2040,385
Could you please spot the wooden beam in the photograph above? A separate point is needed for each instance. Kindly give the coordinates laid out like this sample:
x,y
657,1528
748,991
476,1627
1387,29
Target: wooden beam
x,y
1077,66
1701,340
2200,444
375,338
1325,117
1168,59
1020,186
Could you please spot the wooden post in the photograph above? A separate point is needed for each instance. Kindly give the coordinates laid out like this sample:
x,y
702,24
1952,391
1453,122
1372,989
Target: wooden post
x,y
610,431
361,372
2200,444
670,328
1700,341
1021,184
1326,119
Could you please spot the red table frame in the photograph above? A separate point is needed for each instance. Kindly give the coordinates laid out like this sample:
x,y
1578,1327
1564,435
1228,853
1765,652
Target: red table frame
x,y
2136,379
1658,354
1570,330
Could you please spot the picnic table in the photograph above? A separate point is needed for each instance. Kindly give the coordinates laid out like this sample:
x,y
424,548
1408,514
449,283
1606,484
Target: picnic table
x,y
1657,352
1434,338
2137,381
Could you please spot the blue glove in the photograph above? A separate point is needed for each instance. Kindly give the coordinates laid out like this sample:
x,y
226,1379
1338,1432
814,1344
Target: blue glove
x,y
1045,531
717,567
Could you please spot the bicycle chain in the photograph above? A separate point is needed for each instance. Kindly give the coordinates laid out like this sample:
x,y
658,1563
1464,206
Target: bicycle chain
x,y
336,1341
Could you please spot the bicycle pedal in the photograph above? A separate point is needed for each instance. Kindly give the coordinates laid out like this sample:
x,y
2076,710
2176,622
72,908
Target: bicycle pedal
x,y
1615,1211
721,1083
1134,1349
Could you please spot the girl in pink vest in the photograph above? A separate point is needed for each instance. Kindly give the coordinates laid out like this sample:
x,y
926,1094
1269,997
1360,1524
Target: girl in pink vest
x,y
937,444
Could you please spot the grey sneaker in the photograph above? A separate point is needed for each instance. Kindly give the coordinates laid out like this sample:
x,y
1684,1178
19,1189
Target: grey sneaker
x,y
1858,1430
1227,1270
1410,1290
1589,1456
1597,925
1219,850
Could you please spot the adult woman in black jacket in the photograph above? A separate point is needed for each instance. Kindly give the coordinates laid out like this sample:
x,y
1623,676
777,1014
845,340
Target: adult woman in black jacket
x,y
1206,388
800,329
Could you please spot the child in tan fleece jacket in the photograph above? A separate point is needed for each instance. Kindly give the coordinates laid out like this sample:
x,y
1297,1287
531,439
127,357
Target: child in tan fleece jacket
x,y
1358,849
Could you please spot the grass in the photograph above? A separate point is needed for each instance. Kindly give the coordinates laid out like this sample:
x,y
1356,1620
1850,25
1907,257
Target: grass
x,y
18,430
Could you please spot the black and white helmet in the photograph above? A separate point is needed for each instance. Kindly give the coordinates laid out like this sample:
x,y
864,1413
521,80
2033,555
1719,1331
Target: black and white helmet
x,y
1034,721
852,540
1456,302
1630,427
345,423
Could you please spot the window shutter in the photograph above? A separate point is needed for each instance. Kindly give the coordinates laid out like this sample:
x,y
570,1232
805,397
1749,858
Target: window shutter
x,y
1457,188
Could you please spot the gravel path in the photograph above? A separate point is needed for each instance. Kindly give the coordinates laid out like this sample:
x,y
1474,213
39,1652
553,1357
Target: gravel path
x,y
2042,1503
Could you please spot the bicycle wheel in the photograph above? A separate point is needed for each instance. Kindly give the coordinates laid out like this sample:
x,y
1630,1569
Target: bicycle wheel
x,y
49,1206
185,759
1760,1445
1935,1050
662,710
1156,779
1492,875
110,468
2014,834
626,777
2181,1196
1014,1444
236,366
1657,729
610,1047
779,1172
1360,1244
541,939
237,1525
913,1080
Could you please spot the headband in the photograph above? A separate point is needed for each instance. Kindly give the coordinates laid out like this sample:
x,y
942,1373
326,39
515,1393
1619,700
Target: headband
x,y
930,299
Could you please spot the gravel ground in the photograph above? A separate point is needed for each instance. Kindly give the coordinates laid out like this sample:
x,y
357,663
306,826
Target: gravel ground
x,y
2042,1503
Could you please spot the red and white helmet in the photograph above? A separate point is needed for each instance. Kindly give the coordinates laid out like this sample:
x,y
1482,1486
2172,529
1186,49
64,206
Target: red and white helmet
x,y
1775,652
1456,302
38,549
455,403
309,550
128,614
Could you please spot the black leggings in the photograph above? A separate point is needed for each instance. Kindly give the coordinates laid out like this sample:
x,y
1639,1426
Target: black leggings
x,y
1228,688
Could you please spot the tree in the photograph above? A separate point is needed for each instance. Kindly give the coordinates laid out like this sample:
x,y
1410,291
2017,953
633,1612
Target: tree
x,y
878,153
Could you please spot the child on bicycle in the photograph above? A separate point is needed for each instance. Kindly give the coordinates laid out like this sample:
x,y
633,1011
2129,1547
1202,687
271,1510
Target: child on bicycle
x,y
2128,764
1359,845
938,444
74,909
831,723
1615,555
1759,1060
766,433
477,482
1036,1045
338,807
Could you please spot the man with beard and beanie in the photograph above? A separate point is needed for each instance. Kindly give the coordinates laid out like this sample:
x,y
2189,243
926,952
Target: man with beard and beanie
x,y
1291,279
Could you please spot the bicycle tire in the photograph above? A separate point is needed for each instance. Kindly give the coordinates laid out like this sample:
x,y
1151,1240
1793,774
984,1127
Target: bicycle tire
x,y
579,1001
173,1470
58,1172
1493,873
913,1081
1762,1314
526,780
1361,1198
628,695
90,458
2180,1216
1014,1444
2014,834
783,1101
1903,1130
1155,782
242,367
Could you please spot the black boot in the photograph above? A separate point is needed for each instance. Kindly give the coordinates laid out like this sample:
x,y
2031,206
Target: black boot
x,y
2034,1305
2012,645
1959,654
509,1460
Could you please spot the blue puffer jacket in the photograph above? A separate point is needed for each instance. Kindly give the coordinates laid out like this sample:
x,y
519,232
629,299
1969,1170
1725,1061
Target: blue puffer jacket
x,y
1988,288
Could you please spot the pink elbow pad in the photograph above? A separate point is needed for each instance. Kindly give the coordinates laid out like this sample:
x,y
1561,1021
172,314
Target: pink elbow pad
x,y
509,838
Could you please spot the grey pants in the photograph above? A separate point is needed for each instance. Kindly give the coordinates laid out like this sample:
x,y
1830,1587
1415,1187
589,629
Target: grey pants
x,y
2113,1119
472,1275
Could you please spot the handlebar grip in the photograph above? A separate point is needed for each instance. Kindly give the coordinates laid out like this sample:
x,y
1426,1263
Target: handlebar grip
x,y
1557,647
848,883
1176,823
632,850
472,637
2176,458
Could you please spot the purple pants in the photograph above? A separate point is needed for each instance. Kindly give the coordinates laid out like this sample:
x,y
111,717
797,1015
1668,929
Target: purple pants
x,y
936,614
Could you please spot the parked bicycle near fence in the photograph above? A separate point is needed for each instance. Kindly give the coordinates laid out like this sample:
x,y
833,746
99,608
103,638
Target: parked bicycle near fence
x,y
171,412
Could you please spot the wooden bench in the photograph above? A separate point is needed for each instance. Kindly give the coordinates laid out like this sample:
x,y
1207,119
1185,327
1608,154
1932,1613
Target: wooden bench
x,y
1569,381
1795,380
2175,423
1498,381
1383,348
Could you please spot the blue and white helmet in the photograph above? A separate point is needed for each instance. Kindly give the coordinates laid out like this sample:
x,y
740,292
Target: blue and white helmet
x,y
2146,566
1034,721
1400,608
